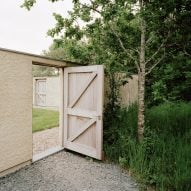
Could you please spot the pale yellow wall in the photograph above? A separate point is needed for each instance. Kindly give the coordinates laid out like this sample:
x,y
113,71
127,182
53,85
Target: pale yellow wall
x,y
53,92
128,92
16,96
15,110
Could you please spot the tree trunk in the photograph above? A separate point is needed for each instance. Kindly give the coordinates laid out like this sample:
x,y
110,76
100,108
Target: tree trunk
x,y
141,88
141,106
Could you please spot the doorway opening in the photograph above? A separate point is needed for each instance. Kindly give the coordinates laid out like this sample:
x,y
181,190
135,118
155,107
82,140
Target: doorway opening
x,y
46,106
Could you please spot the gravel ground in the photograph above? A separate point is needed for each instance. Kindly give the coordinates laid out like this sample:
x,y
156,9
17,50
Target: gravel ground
x,y
44,140
67,171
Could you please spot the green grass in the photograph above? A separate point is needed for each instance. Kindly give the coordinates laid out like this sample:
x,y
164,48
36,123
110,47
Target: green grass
x,y
44,119
163,158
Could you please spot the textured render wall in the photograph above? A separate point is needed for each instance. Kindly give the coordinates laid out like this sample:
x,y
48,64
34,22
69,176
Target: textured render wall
x,y
128,92
15,110
52,91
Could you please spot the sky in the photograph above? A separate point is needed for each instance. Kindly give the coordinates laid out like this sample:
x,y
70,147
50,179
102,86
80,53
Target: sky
x,y
24,30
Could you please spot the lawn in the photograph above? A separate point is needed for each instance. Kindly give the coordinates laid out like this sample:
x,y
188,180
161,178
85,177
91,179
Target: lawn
x,y
44,119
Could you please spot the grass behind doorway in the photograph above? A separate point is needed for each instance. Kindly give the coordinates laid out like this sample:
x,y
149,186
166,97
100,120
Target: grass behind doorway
x,y
44,119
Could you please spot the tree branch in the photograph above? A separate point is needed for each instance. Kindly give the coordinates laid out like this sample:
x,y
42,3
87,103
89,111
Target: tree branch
x,y
157,51
126,50
152,67
150,39
186,53
91,7
154,53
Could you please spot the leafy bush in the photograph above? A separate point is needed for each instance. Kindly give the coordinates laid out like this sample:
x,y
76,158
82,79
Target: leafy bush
x,y
170,81
163,159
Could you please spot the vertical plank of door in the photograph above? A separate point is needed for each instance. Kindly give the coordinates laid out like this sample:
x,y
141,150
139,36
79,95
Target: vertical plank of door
x,y
65,106
72,85
61,107
100,97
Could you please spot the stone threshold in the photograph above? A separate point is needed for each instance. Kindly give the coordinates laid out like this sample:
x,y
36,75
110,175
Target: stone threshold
x,y
47,153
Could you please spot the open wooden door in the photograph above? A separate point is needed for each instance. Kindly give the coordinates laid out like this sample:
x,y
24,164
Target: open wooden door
x,y
83,110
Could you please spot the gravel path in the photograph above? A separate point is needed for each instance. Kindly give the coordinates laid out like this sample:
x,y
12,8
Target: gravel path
x,y
66,171
44,140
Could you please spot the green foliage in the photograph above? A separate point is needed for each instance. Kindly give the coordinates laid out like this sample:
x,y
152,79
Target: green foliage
x,y
174,82
171,81
175,118
163,159
70,49
96,41
41,71
44,119
28,4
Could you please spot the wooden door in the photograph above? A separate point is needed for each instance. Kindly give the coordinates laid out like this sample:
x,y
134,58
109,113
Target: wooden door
x,y
41,92
83,110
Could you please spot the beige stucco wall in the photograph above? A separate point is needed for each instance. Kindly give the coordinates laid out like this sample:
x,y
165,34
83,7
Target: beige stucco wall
x,y
15,110
128,92
16,98
16,106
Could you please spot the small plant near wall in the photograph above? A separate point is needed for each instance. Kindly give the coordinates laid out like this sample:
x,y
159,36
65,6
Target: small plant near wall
x,y
115,79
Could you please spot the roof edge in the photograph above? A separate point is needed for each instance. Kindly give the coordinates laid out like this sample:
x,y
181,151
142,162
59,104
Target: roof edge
x,y
40,56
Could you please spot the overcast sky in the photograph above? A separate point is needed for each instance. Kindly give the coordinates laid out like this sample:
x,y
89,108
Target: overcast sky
x,y
26,30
